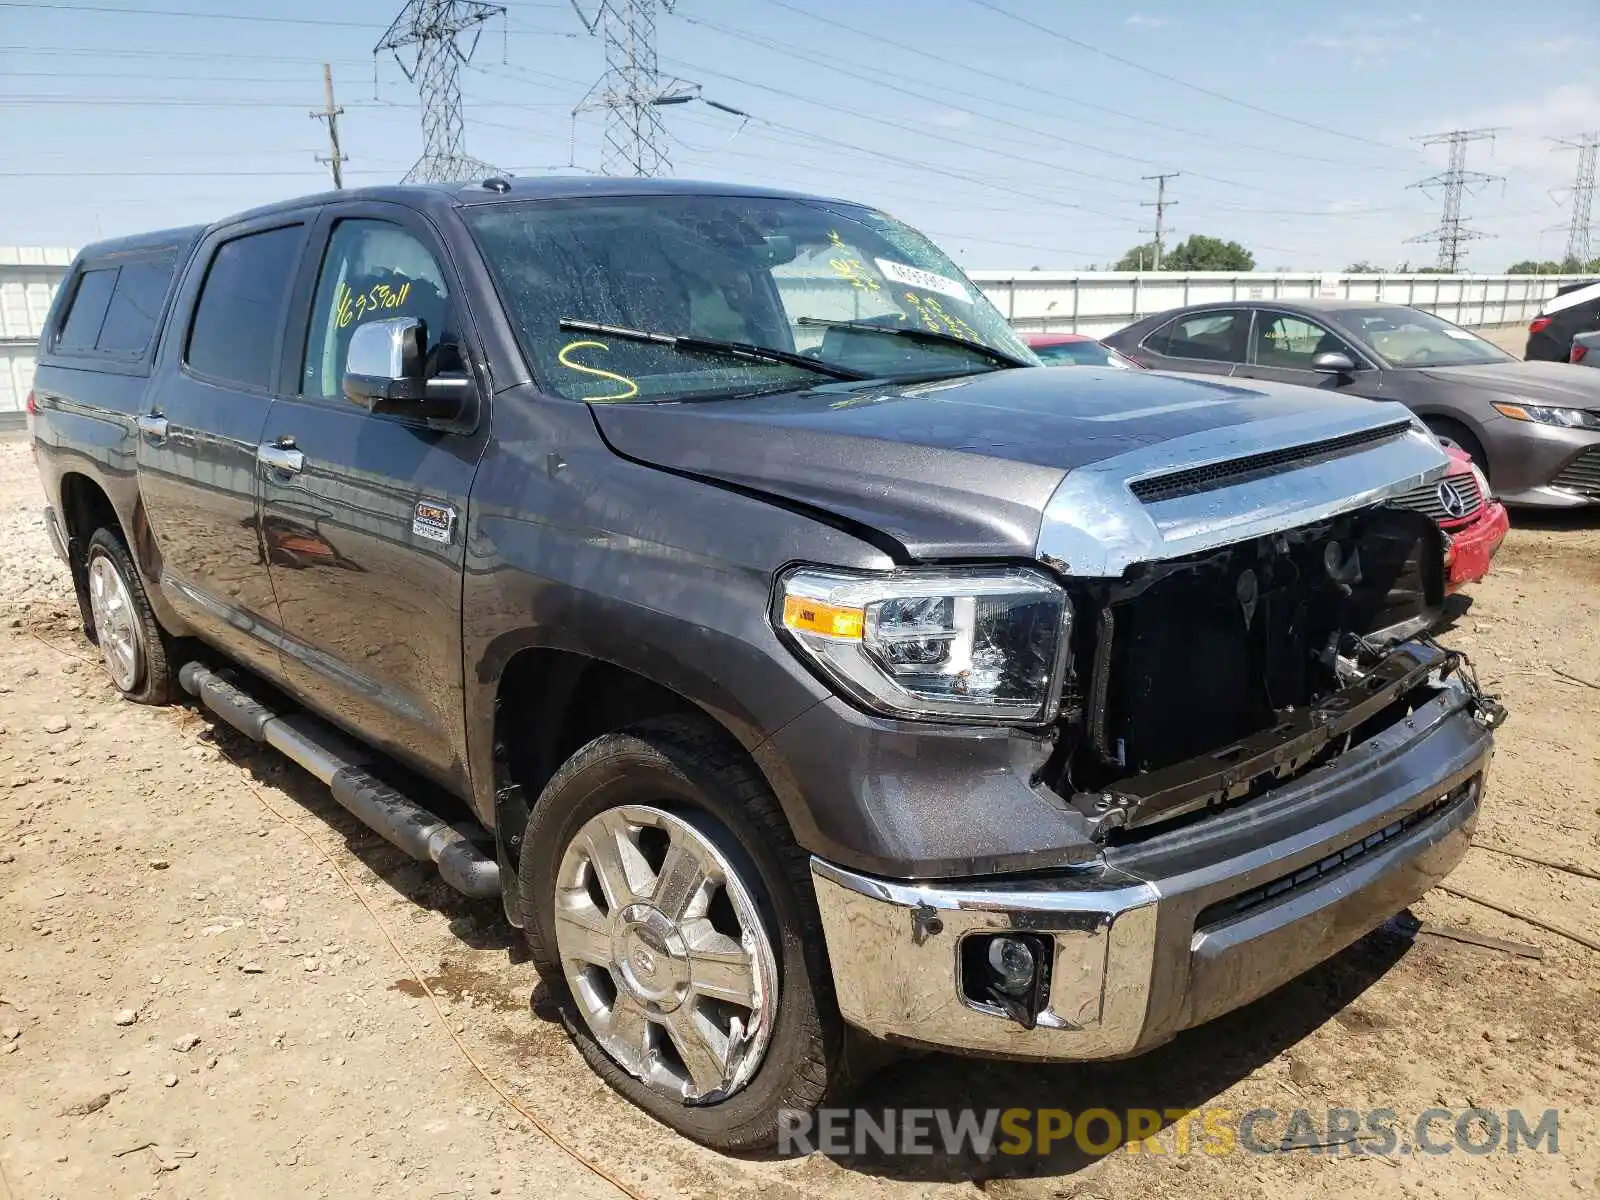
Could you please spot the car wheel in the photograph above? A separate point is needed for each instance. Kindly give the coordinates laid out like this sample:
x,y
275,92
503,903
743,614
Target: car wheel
x,y
132,645
1453,433
671,914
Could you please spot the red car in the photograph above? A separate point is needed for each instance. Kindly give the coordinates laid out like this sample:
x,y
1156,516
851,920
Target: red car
x,y
1074,349
1474,522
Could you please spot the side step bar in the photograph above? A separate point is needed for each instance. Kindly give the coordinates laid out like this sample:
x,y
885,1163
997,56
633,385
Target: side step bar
x,y
341,765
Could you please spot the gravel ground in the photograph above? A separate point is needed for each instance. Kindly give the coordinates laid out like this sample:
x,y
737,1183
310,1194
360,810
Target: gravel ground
x,y
212,980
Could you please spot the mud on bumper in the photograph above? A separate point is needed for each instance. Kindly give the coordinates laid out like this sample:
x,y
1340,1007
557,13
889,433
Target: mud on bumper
x,y
1180,928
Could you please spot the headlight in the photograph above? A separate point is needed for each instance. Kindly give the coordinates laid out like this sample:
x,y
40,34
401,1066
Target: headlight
x,y
1482,480
978,645
1543,414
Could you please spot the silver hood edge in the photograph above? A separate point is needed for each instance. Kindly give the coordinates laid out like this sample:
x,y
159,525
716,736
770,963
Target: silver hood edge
x,y
1095,526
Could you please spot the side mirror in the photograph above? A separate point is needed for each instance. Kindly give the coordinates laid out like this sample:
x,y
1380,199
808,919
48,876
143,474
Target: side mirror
x,y
385,372
1334,362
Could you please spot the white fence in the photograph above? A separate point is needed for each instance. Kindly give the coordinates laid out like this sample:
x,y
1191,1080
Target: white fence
x,y
1102,302
29,276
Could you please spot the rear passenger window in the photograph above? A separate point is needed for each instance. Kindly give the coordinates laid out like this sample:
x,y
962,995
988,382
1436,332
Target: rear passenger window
x,y
241,307
82,326
135,306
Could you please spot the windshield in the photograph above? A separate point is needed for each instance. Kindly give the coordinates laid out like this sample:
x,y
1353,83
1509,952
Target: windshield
x,y
1408,337
748,270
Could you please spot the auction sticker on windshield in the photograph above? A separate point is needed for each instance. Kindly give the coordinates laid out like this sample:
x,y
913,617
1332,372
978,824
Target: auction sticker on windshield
x,y
916,277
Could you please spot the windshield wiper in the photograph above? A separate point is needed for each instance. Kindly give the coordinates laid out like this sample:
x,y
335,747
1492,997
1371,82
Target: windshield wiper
x,y
916,335
747,351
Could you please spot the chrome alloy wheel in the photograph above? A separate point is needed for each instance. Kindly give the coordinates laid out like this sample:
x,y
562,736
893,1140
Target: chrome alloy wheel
x,y
665,952
115,626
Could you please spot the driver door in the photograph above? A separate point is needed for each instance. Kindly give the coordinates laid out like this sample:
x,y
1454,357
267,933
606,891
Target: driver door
x,y
363,514
1284,345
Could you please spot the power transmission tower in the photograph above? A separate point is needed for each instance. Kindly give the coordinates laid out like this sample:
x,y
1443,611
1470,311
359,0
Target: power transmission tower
x,y
1160,204
1578,232
330,113
1455,179
632,91
434,29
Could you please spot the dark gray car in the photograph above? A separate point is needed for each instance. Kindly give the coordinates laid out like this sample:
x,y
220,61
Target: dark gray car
x,y
1534,427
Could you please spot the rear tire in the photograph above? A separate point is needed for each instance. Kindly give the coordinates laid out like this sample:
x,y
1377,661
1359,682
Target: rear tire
x,y
133,646
682,774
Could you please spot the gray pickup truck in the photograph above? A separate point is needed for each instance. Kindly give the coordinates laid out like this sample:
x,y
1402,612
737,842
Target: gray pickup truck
x,y
711,575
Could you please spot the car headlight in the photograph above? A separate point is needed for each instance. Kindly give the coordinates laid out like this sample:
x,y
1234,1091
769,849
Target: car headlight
x,y
1544,414
955,645
1482,481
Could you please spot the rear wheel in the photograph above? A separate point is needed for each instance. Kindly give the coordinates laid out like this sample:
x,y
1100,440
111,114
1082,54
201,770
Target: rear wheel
x,y
132,645
669,909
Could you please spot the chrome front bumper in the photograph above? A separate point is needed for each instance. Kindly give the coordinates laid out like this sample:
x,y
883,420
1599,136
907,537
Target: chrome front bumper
x,y
1181,928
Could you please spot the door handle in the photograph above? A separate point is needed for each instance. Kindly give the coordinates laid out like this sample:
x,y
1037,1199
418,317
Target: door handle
x,y
281,455
151,424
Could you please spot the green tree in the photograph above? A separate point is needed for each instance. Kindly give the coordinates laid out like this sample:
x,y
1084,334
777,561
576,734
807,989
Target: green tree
x,y
1567,266
1364,268
1201,253
1195,253
1141,258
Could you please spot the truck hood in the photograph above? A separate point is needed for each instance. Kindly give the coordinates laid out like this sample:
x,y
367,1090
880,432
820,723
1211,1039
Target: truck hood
x,y
1537,382
986,465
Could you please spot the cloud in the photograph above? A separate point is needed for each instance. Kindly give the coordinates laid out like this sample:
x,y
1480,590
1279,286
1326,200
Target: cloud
x,y
1148,22
1372,38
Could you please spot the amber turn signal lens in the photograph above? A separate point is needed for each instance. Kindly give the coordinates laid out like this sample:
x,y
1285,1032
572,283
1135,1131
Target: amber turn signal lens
x,y
818,616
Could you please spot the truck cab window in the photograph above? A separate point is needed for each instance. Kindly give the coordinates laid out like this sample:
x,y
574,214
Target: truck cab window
x,y
82,324
241,307
372,271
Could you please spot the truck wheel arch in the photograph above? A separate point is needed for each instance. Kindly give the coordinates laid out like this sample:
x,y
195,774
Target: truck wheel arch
x,y
551,702
85,507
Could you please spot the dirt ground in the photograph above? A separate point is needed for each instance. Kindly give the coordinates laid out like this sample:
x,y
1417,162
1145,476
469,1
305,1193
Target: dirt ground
x,y
211,977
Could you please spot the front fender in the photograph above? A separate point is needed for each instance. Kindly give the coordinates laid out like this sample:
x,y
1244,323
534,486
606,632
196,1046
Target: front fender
x,y
572,548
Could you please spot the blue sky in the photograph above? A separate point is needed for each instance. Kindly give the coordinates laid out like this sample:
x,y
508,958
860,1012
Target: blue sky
x,y
1012,146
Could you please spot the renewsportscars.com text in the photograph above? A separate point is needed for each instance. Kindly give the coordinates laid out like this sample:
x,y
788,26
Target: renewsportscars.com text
x,y
1214,1131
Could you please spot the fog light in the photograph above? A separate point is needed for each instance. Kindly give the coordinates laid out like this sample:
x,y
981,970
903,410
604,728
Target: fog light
x,y
1013,965
1008,974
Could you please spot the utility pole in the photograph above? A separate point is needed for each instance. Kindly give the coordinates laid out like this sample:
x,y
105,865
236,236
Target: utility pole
x,y
1452,232
434,28
1160,204
632,91
330,113
1579,243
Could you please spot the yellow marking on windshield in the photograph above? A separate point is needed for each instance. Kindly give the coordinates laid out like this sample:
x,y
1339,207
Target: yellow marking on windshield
x,y
350,306
935,317
633,388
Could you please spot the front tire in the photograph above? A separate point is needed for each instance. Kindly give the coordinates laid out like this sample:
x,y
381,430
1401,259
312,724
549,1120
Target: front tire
x,y
670,911
132,645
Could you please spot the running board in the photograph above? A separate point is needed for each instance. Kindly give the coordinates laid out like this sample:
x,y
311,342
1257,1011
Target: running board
x,y
341,764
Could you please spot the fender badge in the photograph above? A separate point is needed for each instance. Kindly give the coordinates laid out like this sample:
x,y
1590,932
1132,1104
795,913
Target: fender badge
x,y
436,522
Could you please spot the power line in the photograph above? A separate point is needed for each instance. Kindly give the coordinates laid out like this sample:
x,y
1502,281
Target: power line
x,y
1035,90
434,28
1452,232
858,115
1160,204
632,91
1578,231
1194,87
336,158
